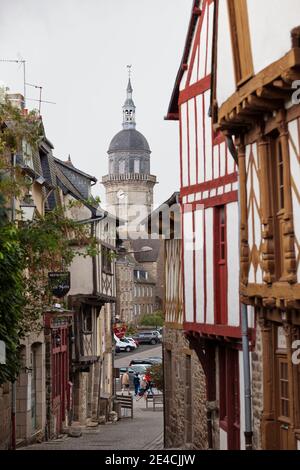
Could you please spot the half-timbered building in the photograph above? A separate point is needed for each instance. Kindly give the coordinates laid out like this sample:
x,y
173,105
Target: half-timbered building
x,y
210,245
255,103
185,420
92,296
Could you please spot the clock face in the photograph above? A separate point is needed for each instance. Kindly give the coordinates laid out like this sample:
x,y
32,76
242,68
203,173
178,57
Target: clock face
x,y
121,194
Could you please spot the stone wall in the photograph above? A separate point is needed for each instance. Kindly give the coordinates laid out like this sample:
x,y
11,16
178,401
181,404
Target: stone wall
x,y
5,416
176,424
257,388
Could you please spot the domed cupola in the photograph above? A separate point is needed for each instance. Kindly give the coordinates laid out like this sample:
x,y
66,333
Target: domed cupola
x,y
129,181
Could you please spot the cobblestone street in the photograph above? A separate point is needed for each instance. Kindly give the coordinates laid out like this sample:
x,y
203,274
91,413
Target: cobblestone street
x,y
144,431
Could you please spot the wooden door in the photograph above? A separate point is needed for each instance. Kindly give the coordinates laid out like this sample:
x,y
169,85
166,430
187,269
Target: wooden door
x,y
229,396
60,373
220,262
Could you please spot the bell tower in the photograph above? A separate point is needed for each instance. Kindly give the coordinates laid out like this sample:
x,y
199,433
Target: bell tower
x,y
129,183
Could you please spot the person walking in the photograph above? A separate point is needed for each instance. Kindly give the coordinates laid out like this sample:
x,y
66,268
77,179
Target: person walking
x,y
143,386
148,380
125,381
136,382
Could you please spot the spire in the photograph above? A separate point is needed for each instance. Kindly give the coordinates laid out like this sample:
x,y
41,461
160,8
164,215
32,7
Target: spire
x,y
129,107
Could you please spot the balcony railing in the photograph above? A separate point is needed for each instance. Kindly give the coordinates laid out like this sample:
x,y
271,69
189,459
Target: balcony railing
x,y
129,176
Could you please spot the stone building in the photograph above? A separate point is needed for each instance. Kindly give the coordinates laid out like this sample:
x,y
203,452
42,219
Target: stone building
x,y
144,292
185,416
125,288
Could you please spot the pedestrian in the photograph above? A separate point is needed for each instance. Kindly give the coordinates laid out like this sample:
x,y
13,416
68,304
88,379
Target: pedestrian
x,y
136,382
149,383
125,381
143,386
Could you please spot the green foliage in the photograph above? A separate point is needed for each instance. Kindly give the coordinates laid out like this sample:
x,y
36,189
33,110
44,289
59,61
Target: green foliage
x,y
12,299
154,319
131,330
28,251
156,373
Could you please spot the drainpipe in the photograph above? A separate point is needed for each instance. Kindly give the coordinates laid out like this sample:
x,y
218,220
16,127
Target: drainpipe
x,y
248,433
247,379
14,383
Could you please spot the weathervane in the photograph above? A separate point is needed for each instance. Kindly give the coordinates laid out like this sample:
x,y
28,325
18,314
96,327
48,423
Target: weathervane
x,y
129,70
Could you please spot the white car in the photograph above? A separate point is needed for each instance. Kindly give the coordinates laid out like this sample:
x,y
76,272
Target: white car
x,y
124,345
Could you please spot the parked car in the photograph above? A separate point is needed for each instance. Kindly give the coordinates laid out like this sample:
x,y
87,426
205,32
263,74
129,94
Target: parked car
x,y
134,340
125,345
148,337
155,359
158,334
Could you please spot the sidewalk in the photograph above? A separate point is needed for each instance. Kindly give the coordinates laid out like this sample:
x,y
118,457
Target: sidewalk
x,y
144,431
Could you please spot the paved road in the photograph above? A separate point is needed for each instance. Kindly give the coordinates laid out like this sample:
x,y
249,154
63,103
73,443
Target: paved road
x,y
144,431
122,359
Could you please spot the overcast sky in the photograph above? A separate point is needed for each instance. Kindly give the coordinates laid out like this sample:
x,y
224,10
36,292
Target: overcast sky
x,y
78,51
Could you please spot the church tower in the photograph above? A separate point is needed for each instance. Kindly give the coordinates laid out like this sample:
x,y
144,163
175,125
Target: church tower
x,y
129,184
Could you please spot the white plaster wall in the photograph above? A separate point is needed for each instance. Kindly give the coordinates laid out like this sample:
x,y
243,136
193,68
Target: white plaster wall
x,y
210,317
272,42
199,245
202,57
225,79
188,266
184,144
192,137
233,264
199,101
208,136
81,276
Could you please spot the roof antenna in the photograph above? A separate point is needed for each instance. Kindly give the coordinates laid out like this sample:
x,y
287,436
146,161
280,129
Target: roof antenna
x,y
40,101
22,62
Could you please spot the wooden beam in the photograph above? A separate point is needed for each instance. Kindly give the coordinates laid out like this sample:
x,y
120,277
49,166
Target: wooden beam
x,y
291,75
265,77
253,102
273,93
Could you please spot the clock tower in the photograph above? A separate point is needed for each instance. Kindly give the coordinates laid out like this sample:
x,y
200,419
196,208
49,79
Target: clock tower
x,y
129,184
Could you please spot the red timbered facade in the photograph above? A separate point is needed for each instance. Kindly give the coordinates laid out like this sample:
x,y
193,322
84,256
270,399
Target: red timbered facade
x,y
210,247
255,103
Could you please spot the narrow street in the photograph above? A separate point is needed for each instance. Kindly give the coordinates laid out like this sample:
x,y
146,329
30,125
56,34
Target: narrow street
x,y
144,431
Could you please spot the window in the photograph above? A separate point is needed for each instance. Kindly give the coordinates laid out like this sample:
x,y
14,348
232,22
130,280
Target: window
x,y
106,260
276,162
136,166
220,265
240,38
284,388
87,319
280,180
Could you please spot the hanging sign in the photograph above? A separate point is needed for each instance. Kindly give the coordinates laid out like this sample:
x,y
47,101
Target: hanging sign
x,y
59,283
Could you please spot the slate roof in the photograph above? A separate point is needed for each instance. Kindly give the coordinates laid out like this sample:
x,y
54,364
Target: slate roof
x,y
127,140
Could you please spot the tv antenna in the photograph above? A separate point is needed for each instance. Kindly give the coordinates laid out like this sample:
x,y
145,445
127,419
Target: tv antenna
x,y
40,101
23,63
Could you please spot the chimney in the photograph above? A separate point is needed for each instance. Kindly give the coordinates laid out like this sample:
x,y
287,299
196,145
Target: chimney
x,y
16,99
